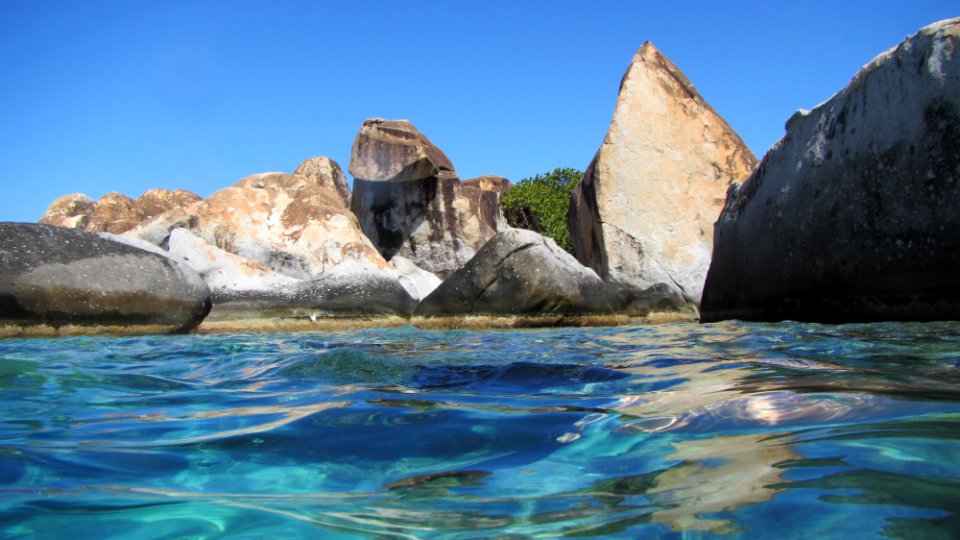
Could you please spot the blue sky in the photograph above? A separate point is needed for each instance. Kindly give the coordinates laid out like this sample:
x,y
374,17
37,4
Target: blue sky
x,y
124,96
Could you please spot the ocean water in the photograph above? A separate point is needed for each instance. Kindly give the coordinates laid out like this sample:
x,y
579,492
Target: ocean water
x,y
674,431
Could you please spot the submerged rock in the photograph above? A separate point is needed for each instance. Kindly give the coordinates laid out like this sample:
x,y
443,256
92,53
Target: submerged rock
x,y
410,201
56,276
642,216
519,272
853,215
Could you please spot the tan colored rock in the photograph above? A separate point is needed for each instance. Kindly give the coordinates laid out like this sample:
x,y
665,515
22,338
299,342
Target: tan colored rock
x,y
70,211
642,216
485,194
410,202
325,172
289,223
157,201
115,213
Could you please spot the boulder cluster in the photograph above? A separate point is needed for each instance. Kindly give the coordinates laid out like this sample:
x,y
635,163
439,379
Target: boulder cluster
x,y
851,216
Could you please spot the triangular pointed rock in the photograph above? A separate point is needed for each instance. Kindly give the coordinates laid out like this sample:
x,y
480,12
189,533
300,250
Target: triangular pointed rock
x,y
642,217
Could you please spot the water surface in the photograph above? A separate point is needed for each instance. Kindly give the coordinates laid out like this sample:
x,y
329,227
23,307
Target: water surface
x,y
675,431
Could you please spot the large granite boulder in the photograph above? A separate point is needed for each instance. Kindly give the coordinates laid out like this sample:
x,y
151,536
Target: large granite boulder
x,y
410,201
71,211
855,214
295,225
642,216
57,276
519,272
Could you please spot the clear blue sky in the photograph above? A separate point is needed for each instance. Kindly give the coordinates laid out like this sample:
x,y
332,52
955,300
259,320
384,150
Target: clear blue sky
x,y
124,96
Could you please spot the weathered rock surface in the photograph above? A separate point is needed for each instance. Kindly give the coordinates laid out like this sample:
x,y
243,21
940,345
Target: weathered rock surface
x,y
642,216
115,213
157,201
233,280
294,225
519,272
71,211
410,201
395,151
52,275
325,172
855,214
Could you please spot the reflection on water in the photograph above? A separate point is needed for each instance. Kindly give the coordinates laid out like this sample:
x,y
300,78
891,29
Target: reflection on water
x,y
785,430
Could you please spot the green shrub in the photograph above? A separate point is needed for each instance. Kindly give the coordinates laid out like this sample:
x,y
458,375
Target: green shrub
x,y
541,204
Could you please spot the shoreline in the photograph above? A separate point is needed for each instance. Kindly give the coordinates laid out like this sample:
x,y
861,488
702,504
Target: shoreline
x,y
302,324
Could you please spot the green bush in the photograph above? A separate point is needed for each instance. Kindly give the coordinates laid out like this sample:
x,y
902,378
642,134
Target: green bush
x,y
541,204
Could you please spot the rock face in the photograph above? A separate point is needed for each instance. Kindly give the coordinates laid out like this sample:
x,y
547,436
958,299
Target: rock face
x,y
642,216
410,201
855,214
70,211
519,272
52,275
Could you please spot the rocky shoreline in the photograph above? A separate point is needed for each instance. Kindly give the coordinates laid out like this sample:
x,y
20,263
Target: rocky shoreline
x,y
852,216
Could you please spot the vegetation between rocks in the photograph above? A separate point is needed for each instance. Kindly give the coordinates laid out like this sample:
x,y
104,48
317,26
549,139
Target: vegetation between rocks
x,y
541,203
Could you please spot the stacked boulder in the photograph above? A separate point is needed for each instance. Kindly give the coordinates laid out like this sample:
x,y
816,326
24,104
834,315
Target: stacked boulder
x,y
642,216
410,201
855,214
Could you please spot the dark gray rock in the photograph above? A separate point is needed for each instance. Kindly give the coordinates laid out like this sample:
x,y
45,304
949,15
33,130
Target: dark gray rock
x,y
56,276
352,288
519,272
855,214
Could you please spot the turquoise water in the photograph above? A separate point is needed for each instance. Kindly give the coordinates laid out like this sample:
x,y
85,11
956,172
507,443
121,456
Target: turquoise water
x,y
673,431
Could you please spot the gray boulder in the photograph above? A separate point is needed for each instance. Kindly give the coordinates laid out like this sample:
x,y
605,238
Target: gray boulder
x,y
56,276
855,214
353,288
519,272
